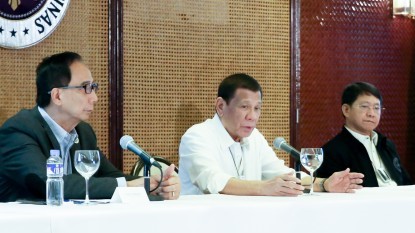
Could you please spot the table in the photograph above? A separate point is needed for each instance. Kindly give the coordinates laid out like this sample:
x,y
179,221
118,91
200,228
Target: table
x,y
369,210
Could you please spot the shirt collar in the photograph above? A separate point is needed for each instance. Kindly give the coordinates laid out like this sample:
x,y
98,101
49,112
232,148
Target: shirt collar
x,y
61,135
225,138
362,138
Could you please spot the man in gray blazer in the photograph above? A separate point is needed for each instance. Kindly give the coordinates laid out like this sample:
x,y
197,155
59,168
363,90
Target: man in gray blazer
x,y
65,99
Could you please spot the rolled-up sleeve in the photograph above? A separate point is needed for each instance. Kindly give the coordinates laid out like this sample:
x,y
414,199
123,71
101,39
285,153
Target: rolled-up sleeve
x,y
199,170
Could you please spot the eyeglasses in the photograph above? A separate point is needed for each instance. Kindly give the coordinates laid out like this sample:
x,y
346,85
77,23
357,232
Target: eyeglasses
x,y
366,108
88,87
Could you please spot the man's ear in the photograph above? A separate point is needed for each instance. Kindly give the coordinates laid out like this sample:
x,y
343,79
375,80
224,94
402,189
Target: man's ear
x,y
55,96
346,110
220,105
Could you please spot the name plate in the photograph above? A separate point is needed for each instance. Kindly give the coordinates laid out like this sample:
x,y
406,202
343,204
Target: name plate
x,y
129,195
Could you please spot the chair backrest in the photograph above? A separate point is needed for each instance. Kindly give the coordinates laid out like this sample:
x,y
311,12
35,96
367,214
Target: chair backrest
x,y
138,167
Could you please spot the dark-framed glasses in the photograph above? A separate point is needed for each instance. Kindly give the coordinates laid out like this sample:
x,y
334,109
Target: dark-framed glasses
x,y
88,87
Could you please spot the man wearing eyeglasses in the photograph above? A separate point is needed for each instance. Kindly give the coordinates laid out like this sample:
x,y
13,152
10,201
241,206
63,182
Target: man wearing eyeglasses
x,y
358,146
66,95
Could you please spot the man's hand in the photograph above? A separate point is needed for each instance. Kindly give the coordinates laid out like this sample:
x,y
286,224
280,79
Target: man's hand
x,y
285,185
139,182
170,186
344,182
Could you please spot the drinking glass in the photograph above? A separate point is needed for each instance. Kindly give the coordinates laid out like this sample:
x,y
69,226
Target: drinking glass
x,y
87,163
311,159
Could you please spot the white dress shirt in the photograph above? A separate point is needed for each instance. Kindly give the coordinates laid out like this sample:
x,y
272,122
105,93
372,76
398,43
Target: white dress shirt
x,y
209,157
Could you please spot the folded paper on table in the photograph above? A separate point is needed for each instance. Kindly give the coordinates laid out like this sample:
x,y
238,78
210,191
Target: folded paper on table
x,y
129,195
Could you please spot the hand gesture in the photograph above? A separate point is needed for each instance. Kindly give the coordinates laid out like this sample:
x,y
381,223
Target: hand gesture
x,y
284,185
344,182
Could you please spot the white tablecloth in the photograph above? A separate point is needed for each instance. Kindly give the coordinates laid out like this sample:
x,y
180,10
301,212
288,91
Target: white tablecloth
x,y
369,210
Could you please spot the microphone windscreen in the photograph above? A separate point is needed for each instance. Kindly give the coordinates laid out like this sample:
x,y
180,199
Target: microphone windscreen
x,y
278,141
125,140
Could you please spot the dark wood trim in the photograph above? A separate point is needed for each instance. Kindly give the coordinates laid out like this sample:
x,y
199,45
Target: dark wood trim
x,y
115,70
294,72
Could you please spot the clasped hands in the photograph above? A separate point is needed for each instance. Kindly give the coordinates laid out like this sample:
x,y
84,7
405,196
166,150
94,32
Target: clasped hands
x,y
170,185
340,182
169,188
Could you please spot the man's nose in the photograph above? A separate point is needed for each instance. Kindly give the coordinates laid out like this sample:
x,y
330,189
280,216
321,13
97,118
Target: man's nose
x,y
371,111
93,97
253,114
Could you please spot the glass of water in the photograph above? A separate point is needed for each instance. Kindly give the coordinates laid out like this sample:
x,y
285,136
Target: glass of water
x,y
311,159
86,163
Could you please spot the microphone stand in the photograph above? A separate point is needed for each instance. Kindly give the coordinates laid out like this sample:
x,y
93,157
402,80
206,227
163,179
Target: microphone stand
x,y
297,168
150,196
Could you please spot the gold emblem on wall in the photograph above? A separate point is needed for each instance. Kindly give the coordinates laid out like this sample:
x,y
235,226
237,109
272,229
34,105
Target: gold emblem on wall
x,y
14,4
24,23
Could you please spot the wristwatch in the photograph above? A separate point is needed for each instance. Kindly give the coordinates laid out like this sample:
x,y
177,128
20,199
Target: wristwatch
x,y
321,184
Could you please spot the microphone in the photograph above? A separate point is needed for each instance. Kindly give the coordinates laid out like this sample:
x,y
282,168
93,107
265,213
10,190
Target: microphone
x,y
281,144
127,142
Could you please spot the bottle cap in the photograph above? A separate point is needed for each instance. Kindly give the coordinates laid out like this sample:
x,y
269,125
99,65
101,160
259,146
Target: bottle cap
x,y
54,152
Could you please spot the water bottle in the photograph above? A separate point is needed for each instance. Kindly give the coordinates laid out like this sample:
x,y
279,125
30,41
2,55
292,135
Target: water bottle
x,y
54,183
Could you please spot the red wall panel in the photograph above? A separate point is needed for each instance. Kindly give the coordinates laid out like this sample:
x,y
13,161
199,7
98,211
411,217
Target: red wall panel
x,y
344,41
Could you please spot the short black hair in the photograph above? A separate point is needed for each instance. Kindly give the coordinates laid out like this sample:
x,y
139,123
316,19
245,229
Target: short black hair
x,y
230,84
354,90
53,72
